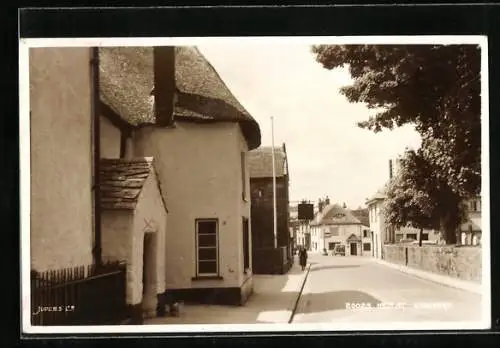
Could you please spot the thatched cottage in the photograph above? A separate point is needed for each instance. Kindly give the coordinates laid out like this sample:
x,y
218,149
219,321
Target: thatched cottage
x,y
170,104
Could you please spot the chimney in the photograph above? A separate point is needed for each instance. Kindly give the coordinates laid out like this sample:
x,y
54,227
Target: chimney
x,y
390,169
327,201
320,205
164,84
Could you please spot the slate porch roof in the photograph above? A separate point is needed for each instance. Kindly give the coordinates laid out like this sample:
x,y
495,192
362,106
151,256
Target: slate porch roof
x,y
122,180
127,80
260,162
334,214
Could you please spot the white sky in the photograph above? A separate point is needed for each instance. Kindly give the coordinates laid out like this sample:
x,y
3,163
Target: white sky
x,y
328,153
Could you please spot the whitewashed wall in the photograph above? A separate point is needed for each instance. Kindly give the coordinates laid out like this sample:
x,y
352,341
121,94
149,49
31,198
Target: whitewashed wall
x,y
61,157
199,169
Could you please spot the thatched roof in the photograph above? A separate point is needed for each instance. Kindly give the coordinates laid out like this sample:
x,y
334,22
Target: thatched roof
x,y
127,81
260,162
362,215
122,180
334,214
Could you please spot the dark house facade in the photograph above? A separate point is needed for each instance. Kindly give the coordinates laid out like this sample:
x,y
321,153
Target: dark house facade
x,y
266,258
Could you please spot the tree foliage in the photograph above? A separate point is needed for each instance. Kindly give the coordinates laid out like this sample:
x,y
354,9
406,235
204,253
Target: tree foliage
x,y
417,198
436,88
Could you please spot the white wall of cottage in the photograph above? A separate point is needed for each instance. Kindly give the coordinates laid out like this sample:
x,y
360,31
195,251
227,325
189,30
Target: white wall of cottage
x,y
117,245
199,168
61,157
150,217
123,234
110,139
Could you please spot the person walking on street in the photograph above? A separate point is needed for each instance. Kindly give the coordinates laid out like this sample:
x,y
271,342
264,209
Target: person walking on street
x,y
303,257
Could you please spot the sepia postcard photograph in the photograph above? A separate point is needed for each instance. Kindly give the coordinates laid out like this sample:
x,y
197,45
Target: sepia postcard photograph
x,y
254,184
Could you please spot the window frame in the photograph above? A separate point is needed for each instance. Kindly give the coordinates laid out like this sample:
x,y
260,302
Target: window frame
x,y
413,234
197,248
337,232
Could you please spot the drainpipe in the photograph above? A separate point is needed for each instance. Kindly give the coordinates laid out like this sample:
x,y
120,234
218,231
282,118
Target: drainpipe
x,y
97,250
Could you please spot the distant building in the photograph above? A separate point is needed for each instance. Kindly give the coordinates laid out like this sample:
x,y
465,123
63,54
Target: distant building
x,y
267,259
335,225
293,223
470,230
378,233
362,214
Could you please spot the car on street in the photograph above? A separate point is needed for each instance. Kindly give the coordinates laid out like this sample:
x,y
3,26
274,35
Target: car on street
x,y
339,250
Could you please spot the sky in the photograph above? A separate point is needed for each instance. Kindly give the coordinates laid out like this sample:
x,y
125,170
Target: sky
x,y
328,154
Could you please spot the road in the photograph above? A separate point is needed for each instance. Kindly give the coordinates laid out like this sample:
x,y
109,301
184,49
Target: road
x,y
356,289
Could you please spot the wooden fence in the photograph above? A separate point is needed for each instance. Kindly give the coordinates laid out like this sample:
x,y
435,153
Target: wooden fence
x,y
84,295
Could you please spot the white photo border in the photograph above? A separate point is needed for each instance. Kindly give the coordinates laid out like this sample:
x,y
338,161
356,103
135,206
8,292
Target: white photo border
x,y
24,148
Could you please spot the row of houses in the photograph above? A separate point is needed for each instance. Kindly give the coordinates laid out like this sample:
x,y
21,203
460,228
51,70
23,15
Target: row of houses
x,y
364,231
383,233
141,155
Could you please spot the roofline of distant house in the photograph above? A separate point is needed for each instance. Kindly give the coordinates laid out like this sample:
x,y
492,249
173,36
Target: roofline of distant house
x,y
336,223
372,200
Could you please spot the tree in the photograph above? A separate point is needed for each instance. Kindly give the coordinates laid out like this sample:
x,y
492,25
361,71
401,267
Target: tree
x,y
436,88
417,198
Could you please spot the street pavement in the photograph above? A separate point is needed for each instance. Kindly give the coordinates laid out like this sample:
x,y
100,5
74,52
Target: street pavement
x,y
356,289
272,302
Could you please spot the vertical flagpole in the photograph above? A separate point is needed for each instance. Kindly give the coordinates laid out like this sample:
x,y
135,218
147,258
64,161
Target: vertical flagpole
x,y
274,187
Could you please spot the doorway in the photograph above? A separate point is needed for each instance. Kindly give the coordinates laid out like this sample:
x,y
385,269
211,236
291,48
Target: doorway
x,y
354,249
149,277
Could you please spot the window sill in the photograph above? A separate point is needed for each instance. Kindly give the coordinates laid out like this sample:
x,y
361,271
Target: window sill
x,y
198,278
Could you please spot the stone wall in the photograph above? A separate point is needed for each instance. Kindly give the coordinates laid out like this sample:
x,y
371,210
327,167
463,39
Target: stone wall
x,y
462,262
